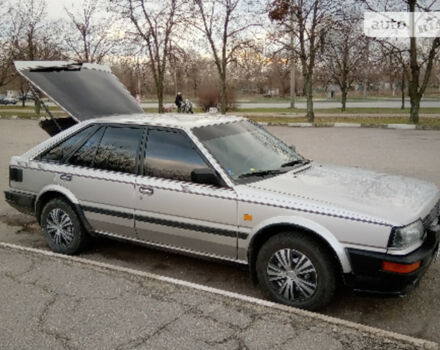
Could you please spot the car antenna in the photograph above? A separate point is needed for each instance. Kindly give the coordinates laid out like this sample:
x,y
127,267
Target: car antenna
x,y
46,108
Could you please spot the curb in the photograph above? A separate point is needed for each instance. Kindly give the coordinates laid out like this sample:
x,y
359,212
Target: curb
x,y
354,125
312,125
15,117
375,332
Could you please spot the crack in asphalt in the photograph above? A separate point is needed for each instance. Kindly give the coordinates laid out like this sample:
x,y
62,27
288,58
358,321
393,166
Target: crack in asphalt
x,y
143,339
60,337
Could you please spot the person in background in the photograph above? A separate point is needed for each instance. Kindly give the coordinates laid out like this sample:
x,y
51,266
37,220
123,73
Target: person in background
x,y
178,101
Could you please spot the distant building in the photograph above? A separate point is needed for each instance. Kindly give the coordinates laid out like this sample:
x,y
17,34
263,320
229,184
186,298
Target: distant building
x,y
272,92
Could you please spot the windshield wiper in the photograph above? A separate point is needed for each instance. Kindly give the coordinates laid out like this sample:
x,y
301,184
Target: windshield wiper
x,y
295,162
262,173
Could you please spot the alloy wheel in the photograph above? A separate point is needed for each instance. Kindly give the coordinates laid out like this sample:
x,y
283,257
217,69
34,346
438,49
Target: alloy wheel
x,y
292,275
60,228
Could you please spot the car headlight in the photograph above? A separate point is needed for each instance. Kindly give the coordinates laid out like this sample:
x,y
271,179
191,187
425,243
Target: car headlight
x,y
404,237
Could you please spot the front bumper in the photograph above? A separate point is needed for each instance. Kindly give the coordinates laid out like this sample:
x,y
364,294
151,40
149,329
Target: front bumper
x,y
21,201
368,275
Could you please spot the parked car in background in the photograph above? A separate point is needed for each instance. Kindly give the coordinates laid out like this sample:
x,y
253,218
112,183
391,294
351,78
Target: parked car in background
x,y
218,187
8,101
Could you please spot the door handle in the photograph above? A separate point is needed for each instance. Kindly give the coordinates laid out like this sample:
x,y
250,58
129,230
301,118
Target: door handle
x,y
146,190
66,177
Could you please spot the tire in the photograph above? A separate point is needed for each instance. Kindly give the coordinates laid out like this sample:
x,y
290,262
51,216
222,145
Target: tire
x,y
62,228
296,270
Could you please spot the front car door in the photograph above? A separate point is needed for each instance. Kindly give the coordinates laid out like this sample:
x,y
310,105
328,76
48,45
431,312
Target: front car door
x,y
171,210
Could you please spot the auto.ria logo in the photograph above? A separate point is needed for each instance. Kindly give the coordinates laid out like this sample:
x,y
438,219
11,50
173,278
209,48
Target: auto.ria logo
x,y
402,24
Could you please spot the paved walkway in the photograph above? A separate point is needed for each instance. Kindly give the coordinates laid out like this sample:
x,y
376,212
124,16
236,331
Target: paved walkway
x,y
54,302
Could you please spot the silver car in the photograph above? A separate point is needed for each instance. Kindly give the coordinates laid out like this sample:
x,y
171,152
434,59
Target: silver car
x,y
217,187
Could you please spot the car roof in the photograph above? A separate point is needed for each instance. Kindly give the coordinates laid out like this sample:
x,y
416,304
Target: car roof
x,y
185,121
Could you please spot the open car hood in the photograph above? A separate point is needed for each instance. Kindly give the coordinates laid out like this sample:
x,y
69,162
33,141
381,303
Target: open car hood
x,y
83,90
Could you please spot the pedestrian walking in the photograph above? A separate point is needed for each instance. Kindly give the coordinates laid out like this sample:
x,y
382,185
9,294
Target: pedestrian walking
x,y
178,101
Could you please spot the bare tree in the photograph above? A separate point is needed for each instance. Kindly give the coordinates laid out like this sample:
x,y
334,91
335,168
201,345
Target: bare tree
x,y
309,21
88,39
249,69
421,57
31,36
343,55
437,72
223,23
5,49
278,72
155,24
396,67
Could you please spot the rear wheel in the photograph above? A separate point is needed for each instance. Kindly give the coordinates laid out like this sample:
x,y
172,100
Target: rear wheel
x,y
296,270
62,227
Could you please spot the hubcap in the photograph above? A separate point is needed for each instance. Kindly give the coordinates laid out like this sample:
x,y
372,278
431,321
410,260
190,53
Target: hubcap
x,y
292,275
59,227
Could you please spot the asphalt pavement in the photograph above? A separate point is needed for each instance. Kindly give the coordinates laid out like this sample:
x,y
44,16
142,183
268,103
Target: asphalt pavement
x,y
65,303
405,152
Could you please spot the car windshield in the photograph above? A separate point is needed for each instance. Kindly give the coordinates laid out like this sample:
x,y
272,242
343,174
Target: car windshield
x,y
246,151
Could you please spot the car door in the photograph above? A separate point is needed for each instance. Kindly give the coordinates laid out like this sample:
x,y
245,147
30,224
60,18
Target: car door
x,y
101,174
172,210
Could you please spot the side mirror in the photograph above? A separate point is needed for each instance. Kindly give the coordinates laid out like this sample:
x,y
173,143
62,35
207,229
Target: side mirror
x,y
206,176
293,148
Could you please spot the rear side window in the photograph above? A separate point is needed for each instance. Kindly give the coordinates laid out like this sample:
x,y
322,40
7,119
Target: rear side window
x,y
58,153
171,155
85,155
118,149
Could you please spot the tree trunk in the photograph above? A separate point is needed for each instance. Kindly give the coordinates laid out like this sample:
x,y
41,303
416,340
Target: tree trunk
x,y
415,73
308,87
414,111
402,89
37,108
365,89
344,94
292,85
159,88
160,100
223,102
292,58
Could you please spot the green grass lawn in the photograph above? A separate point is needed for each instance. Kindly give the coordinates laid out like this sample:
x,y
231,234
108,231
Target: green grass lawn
x,y
376,118
378,111
361,120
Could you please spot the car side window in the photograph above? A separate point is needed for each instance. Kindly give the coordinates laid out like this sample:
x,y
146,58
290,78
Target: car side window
x,y
85,155
118,149
170,154
63,149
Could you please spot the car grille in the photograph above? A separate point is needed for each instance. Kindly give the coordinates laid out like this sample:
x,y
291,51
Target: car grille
x,y
432,216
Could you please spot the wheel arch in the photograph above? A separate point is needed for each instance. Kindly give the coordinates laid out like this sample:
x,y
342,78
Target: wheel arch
x,y
55,191
270,228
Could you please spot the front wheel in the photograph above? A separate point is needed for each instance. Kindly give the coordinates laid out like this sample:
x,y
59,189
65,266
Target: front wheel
x,y
296,270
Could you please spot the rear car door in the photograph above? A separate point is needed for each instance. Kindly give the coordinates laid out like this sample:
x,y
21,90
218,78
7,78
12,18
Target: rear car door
x,y
101,173
171,210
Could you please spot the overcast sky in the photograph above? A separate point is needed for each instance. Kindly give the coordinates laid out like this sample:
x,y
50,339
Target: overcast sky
x,y
55,8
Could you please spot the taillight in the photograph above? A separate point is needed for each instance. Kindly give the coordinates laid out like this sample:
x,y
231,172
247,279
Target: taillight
x,y
15,174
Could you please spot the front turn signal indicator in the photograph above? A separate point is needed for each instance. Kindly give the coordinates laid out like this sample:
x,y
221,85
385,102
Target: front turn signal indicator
x,y
247,217
400,268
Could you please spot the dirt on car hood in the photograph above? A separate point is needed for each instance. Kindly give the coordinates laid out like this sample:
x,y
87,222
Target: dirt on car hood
x,y
397,199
